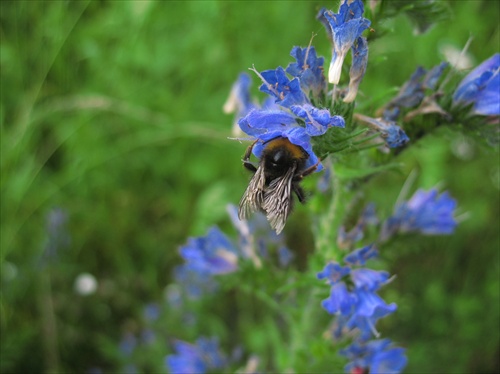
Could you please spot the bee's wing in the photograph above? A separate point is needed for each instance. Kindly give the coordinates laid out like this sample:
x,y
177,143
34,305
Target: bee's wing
x,y
278,200
253,196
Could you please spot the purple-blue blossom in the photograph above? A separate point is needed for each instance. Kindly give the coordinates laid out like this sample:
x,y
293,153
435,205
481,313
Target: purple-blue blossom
x,y
334,272
239,100
151,312
481,88
57,234
196,358
393,135
344,28
340,301
361,255
432,77
285,91
358,68
412,93
369,279
285,256
212,254
375,356
353,292
309,70
317,121
194,283
427,212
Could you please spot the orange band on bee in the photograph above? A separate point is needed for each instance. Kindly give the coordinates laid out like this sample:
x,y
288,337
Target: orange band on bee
x,y
295,150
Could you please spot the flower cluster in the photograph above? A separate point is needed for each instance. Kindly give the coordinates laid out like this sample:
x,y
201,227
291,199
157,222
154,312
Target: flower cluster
x,y
357,306
354,299
293,111
353,293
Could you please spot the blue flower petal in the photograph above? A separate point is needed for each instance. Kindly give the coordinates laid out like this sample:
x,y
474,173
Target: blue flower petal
x,y
482,88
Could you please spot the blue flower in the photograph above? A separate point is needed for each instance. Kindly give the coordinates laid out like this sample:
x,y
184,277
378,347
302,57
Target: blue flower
x,y
152,312
317,120
412,93
371,305
432,77
341,301
199,358
333,272
358,68
309,70
481,87
285,256
361,255
128,344
344,28
285,91
187,360
426,212
57,234
270,124
375,356
393,135
213,254
369,279
205,257
239,100
194,283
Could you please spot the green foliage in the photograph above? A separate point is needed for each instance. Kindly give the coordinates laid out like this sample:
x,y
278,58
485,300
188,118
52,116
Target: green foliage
x,y
112,112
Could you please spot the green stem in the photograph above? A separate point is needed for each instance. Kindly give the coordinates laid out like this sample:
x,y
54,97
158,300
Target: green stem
x,y
367,147
366,139
326,247
48,321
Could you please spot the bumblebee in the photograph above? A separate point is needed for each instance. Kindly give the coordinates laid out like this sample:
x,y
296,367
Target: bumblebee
x,y
277,176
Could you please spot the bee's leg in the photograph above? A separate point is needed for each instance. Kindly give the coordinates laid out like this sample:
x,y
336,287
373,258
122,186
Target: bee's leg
x,y
301,195
246,158
306,172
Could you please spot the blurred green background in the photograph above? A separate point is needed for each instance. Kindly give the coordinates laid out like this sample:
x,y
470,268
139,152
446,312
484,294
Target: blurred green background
x,y
112,112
